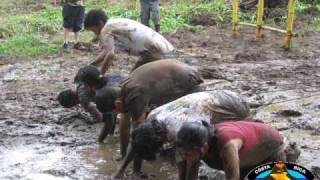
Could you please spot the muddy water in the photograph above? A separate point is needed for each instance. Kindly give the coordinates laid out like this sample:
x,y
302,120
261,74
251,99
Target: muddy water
x,y
42,161
41,140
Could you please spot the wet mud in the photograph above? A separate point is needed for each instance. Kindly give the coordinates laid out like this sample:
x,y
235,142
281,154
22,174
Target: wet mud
x,y
41,140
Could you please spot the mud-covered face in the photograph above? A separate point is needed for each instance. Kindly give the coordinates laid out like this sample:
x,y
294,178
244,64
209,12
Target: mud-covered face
x,y
96,29
188,154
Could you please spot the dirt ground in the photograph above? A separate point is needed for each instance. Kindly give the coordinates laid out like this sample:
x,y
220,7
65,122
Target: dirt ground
x,y
41,140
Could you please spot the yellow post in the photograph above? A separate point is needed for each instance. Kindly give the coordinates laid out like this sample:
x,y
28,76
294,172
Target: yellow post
x,y
291,11
137,4
259,19
235,16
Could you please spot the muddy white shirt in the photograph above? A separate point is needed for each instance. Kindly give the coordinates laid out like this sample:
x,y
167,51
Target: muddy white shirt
x,y
211,107
133,37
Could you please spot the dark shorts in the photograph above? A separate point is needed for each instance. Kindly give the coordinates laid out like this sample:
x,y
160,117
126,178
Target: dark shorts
x,y
73,17
157,84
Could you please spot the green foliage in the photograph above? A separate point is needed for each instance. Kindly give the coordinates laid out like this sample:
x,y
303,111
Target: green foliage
x,y
26,46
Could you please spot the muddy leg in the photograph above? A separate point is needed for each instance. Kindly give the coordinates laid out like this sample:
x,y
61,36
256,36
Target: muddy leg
x,y
128,158
124,127
114,118
182,169
104,132
108,125
137,163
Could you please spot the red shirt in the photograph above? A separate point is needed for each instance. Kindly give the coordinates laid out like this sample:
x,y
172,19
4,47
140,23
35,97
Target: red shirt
x,y
252,134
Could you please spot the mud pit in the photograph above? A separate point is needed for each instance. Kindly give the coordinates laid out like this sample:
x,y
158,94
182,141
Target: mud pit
x,y
41,140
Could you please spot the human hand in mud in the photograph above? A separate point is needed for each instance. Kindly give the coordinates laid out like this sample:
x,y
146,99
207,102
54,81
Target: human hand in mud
x,y
119,175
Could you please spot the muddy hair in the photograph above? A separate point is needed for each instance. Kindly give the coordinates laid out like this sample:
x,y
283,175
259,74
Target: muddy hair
x,y
146,139
94,17
193,135
90,75
66,98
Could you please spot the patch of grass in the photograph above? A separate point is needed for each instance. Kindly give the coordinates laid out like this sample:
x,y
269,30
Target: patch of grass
x,y
26,46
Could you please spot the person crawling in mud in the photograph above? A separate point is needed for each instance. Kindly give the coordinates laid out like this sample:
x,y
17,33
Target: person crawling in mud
x,y
162,123
125,35
151,85
86,98
235,147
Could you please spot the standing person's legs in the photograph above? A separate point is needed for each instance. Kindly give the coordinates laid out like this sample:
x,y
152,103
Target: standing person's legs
x,y
67,23
65,37
77,24
155,14
145,12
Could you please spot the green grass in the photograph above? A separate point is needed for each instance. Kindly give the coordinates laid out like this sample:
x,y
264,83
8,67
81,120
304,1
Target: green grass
x,y
39,32
27,46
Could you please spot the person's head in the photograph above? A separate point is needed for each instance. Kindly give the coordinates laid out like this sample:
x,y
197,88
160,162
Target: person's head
x,y
107,99
68,98
91,77
192,140
146,140
95,21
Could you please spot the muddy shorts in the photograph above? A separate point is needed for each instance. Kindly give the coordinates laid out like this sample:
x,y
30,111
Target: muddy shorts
x,y
229,106
148,6
146,90
73,17
147,57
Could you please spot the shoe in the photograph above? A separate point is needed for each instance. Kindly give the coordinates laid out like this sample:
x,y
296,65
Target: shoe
x,y
65,45
157,27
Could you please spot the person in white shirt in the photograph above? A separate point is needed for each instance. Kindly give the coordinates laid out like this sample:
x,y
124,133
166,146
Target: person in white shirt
x,y
164,122
125,35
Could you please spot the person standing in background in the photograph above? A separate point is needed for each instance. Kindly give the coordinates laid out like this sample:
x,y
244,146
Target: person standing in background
x,y
73,16
152,6
55,2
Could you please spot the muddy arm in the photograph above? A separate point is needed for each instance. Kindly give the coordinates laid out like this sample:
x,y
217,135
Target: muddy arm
x,y
94,112
128,158
192,170
99,58
106,56
230,158
124,128
108,127
182,170
85,101
107,62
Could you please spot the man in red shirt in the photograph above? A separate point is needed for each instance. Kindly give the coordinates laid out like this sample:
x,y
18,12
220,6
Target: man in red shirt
x,y
235,147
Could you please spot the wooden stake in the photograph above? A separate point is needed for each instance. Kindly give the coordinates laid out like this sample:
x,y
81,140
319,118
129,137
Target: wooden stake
x,y
259,19
235,16
291,12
